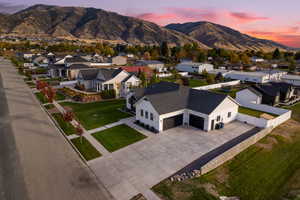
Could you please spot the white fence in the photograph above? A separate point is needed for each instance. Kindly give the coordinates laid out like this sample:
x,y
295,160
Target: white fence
x,y
218,85
283,115
67,83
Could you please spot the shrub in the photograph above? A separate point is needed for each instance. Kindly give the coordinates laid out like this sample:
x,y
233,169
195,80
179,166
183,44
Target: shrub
x,y
108,94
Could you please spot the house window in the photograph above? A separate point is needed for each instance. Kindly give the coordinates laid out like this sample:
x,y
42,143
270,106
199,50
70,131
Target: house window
x,y
146,114
218,118
229,115
151,116
142,113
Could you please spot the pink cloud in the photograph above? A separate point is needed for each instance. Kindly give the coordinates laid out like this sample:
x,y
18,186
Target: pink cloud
x,y
243,17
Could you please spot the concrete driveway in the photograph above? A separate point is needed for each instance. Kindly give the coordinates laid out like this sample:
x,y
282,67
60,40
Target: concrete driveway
x,y
140,166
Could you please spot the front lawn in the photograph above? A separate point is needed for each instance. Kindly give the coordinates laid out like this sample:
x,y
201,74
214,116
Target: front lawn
x,y
85,148
49,106
118,137
267,170
94,115
67,127
41,97
59,97
252,112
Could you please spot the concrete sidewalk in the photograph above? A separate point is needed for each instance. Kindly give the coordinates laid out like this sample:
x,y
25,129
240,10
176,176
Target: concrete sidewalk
x,y
52,170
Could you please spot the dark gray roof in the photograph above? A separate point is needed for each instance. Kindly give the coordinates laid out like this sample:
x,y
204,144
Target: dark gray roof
x,y
78,66
75,59
172,97
89,74
56,67
273,89
149,62
128,77
107,74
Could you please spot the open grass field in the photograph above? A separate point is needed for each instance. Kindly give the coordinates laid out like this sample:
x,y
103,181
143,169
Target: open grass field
x,y
118,137
94,115
252,112
268,170
85,148
67,127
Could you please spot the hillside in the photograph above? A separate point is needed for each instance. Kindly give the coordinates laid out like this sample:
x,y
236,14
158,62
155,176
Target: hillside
x,y
218,36
87,23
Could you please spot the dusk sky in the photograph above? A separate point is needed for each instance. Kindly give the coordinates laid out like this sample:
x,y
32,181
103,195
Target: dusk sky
x,y
278,20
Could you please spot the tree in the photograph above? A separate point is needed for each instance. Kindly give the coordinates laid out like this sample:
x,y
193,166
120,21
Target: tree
x,y
201,57
142,77
297,56
68,116
147,55
245,58
210,79
276,54
79,131
292,65
51,93
154,79
164,49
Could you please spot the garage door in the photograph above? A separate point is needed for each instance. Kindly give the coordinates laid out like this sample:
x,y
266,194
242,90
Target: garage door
x,y
197,121
173,122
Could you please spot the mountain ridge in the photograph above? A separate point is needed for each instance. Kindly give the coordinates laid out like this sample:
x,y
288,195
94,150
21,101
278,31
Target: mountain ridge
x,y
97,24
219,36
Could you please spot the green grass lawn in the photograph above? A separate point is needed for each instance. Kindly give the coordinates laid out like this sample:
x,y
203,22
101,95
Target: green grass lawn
x,y
197,83
85,148
30,84
41,97
267,171
94,115
59,97
231,93
67,127
295,111
49,106
252,112
118,137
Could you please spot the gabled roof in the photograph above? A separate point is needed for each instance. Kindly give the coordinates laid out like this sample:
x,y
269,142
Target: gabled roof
x,y
149,62
273,89
255,91
169,97
78,66
107,74
75,59
89,74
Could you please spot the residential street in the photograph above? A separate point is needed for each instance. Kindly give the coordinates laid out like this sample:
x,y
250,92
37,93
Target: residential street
x,y
36,162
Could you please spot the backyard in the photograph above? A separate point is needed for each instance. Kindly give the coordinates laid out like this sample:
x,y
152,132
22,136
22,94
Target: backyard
x,y
118,137
269,169
94,115
252,112
85,148
296,111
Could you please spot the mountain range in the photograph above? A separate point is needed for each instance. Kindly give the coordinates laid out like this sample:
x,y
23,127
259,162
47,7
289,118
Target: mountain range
x,y
98,24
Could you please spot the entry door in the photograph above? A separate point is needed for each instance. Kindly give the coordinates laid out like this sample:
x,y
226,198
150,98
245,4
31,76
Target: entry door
x,y
213,124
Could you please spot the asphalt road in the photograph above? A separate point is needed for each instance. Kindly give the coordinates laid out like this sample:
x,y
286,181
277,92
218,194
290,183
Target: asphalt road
x,y
12,184
36,162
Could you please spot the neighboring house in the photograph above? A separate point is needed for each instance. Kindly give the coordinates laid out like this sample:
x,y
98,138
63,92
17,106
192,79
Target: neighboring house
x,y
152,64
75,60
69,72
139,69
257,59
275,92
274,75
165,105
291,79
28,55
255,77
28,65
192,67
62,61
41,61
119,60
249,95
108,79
